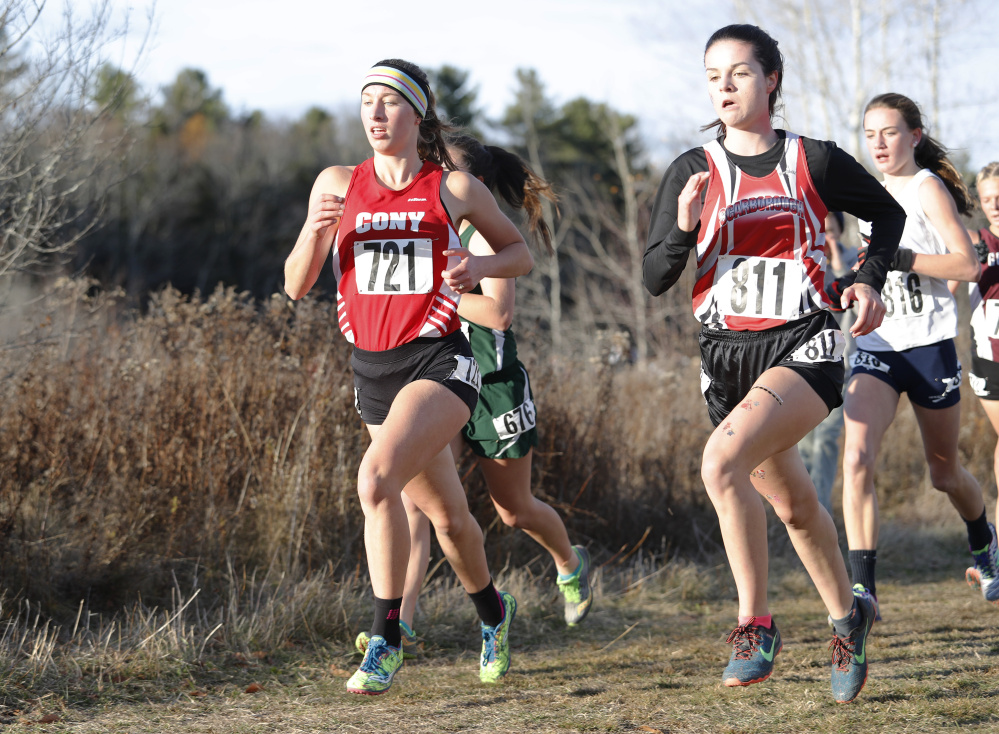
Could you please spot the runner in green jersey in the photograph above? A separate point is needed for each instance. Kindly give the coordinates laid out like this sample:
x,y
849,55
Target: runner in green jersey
x,y
502,430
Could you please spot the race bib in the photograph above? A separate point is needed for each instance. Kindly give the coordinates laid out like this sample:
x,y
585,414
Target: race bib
x,y
903,296
394,267
826,346
760,287
992,318
519,420
868,361
467,371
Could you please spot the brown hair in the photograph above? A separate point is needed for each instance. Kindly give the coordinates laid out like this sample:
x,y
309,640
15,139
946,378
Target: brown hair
x,y
433,129
765,51
508,175
929,153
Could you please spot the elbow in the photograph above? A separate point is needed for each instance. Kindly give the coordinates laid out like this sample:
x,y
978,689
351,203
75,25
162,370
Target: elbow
x,y
528,261
975,272
504,320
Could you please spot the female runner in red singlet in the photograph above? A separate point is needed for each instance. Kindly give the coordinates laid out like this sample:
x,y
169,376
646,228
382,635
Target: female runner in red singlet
x,y
752,204
391,225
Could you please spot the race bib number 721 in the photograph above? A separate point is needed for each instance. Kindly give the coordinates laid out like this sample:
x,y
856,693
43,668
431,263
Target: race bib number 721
x,y
761,287
390,267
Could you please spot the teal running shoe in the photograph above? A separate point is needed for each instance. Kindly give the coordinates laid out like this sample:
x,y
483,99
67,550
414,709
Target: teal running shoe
x,y
381,663
985,573
495,660
754,648
849,656
860,591
576,589
412,646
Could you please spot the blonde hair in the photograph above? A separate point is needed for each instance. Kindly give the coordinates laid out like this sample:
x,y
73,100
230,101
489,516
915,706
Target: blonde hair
x,y
991,170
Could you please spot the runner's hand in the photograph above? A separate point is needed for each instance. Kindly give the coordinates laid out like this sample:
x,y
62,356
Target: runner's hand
x,y
464,276
870,308
689,202
325,213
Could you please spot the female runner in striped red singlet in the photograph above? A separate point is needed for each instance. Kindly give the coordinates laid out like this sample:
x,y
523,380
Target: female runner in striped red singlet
x,y
752,204
390,224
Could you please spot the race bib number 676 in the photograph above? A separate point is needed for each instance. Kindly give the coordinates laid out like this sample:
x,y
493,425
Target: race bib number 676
x,y
761,287
391,267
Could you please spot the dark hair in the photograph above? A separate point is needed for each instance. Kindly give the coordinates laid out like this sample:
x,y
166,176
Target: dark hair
x,y
509,176
929,153
433,129
765,52
838,216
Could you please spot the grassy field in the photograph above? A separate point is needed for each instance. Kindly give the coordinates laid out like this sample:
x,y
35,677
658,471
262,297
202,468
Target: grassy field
x,y
648,659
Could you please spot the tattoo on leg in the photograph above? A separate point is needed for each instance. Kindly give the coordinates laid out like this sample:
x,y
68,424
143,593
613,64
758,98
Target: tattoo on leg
x,y
759,474
728,429
750,404
774,395
773,498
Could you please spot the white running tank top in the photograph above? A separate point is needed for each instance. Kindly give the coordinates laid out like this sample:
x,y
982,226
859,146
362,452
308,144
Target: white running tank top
x,y
921,309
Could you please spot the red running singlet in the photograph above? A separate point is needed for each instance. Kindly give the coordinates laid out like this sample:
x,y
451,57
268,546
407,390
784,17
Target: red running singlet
x,y
760,262
388,261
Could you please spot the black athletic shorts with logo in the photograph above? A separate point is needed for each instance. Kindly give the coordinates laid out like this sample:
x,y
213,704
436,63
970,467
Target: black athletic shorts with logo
x,y
731,361
379,376
984,377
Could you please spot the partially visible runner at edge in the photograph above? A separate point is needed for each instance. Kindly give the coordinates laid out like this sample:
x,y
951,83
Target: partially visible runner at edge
x,y
752,205
391,224
502,430
984,375
913,350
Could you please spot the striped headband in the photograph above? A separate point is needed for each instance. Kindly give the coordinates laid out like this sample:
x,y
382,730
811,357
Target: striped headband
x,y
401,82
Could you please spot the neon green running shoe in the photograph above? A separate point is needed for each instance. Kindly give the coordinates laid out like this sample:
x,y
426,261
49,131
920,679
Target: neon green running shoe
x,y
412,646
381,663
495,660
576,589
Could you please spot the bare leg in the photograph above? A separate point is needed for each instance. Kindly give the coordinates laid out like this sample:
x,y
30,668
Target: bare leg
x,y
419,559
870,408
509,483
762,432
411,446
939,429
991,408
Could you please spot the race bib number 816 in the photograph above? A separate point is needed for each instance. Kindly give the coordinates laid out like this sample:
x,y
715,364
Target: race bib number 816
x,y
390,267
762,287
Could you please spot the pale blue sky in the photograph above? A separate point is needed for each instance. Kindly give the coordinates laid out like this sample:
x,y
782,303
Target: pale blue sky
x,y
640,56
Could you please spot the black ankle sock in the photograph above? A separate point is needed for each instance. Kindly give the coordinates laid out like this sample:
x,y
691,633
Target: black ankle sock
x,y
487,604
386,621
850,622
862,567
979,533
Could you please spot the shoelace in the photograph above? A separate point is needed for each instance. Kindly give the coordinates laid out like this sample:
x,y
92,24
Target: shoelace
x,y
745,639
842,652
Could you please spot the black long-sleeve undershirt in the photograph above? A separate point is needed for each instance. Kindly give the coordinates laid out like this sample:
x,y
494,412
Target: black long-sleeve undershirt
x,y
841,182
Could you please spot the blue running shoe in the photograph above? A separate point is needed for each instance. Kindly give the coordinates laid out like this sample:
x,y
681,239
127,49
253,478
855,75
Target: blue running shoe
x,y
849,656
985,573
495,660
754,648
412,646
381,663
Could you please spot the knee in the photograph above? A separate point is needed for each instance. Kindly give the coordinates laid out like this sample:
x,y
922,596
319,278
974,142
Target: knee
x,y
945,478
451,524
798,512
374,490
858,460
719,471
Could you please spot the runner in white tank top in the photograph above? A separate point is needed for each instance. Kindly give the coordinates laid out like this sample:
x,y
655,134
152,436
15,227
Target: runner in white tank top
x,y
913,350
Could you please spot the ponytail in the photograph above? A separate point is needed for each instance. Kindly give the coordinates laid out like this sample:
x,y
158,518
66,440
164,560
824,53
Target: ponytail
x,y
512,179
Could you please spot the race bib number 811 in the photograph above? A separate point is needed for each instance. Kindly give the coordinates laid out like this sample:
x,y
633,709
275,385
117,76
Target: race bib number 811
x,y
391,267
762,287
